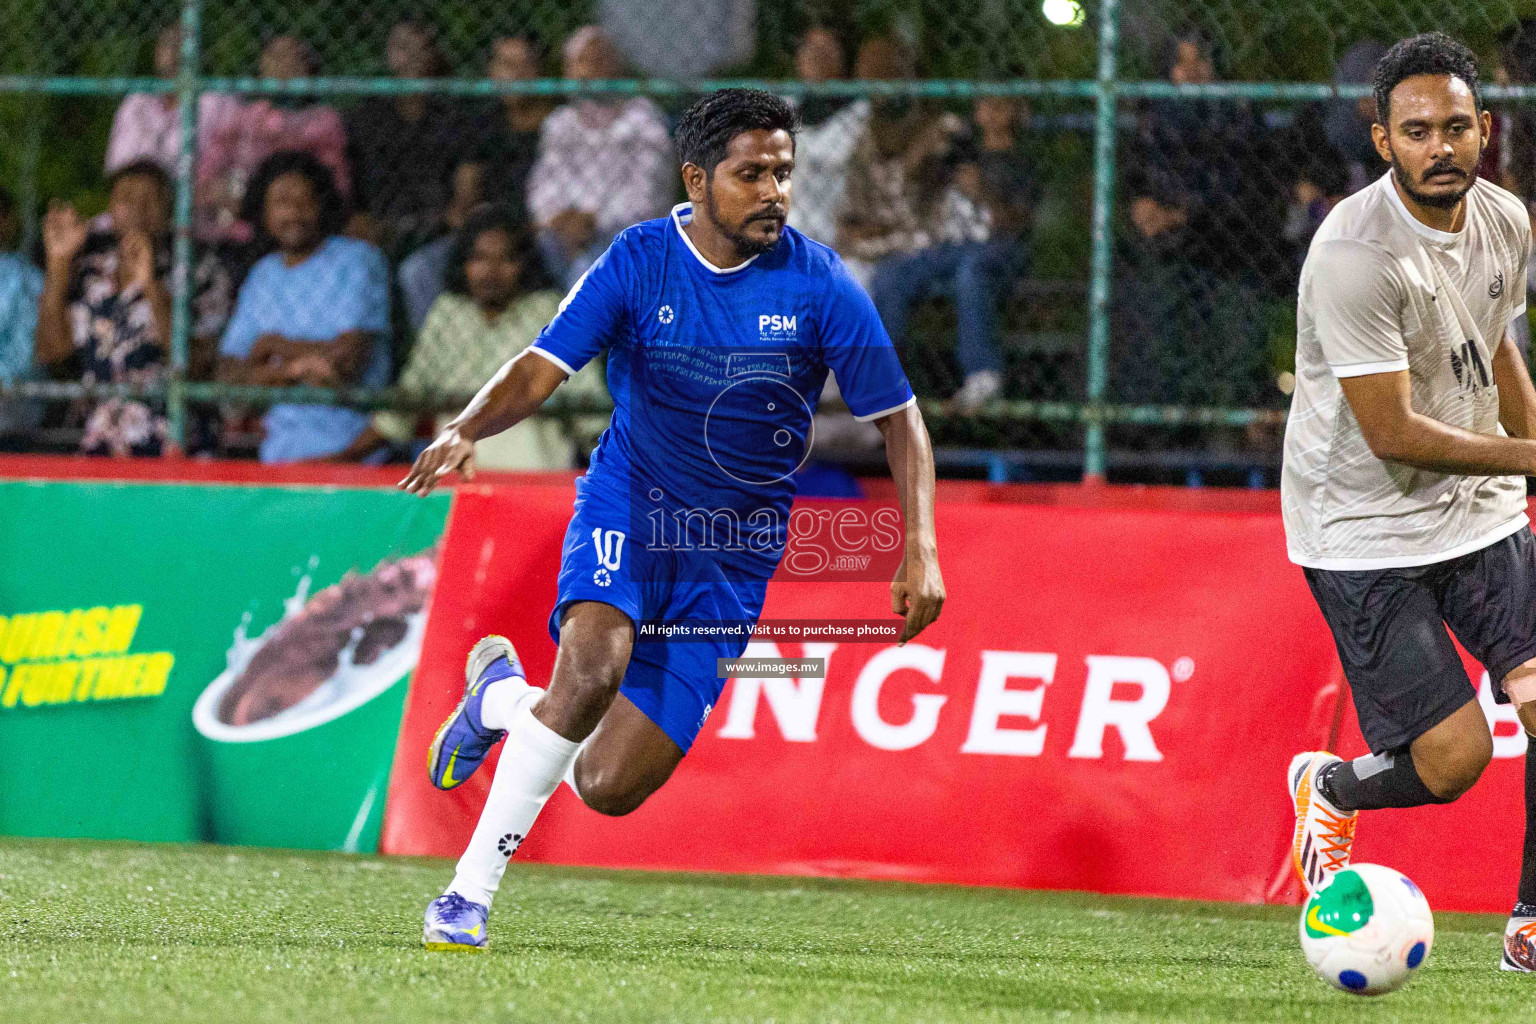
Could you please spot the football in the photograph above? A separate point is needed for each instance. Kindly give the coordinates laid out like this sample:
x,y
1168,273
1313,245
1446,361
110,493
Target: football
x,y
1368,930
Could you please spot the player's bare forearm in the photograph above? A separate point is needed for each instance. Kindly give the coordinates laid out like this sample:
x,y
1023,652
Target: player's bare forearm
x,y
1382,404
918,591
1517,396
910,456
512,395
524,383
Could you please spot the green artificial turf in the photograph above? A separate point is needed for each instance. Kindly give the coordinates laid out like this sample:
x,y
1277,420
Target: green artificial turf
x,y
100,932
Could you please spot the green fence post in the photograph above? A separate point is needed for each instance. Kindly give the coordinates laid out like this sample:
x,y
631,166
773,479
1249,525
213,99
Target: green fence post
x,y
1103,206
181,272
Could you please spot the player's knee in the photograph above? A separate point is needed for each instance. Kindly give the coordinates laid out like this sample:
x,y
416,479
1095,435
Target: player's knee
x,y
608,791
593,685
590,672
1452,773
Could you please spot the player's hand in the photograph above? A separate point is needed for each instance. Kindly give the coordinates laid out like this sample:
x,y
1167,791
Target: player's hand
x,y
918,592
451,451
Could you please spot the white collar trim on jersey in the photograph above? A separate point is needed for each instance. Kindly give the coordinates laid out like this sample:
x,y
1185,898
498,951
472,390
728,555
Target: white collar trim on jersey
x,y
1433,234
682,213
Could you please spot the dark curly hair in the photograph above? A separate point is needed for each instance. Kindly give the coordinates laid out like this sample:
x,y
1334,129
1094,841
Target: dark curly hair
x,y
1432,53
253,207
483,218
708,127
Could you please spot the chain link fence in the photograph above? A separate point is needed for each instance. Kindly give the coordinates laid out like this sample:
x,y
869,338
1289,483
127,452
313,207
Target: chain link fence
x,y
288,231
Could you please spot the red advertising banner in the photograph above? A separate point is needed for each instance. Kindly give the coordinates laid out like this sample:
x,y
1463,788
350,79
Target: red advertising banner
x,y
1108,703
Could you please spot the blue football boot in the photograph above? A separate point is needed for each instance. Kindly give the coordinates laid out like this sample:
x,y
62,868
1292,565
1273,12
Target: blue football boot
x,y
455,925
460,746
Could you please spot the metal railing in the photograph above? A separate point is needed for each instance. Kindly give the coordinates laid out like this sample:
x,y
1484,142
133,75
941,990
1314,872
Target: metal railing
x,y
1094,412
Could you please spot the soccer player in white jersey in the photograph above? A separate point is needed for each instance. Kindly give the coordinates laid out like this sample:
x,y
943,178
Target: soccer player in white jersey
x,y
1410,437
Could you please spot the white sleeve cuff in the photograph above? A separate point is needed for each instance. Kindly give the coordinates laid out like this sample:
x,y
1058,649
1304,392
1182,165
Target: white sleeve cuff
x,y
1517,314
1362,369
885,412
567,366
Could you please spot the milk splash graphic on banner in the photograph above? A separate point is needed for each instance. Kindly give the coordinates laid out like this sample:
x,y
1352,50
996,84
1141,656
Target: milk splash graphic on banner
x,y
303,692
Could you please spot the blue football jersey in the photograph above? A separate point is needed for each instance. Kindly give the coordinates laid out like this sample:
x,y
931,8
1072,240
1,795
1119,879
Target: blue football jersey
x,y
715,375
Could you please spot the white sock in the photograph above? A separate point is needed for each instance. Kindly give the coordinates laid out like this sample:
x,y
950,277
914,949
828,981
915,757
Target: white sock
x,y
533,761
503,699
570,773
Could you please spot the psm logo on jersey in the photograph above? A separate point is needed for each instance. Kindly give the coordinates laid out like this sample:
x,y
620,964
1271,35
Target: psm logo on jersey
x,y
665,314
1497,288
775,325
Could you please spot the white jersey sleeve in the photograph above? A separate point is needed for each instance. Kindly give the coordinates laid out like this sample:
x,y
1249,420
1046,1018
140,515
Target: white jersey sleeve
x,y
1354,290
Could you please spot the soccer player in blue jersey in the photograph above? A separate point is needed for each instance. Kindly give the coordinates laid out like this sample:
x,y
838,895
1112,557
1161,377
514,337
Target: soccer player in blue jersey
x,y
721,325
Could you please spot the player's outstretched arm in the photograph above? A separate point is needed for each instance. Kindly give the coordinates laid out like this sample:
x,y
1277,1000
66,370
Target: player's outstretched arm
x,y
1382,404
514,394
918,590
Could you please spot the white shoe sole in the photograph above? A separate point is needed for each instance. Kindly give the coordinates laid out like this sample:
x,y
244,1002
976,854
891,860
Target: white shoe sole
x,y
1305,858
1507,962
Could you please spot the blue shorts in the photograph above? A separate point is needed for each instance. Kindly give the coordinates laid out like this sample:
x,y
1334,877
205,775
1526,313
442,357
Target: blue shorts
x,y
674,683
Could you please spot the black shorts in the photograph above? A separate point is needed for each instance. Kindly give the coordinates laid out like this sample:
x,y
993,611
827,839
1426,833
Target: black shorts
x,y
1389,627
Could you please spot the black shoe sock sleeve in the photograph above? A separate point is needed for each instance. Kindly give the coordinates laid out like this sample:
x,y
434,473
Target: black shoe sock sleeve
x,y
1390,780
1528,855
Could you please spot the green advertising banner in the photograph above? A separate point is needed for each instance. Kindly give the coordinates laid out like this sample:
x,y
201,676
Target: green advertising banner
x,y
207,662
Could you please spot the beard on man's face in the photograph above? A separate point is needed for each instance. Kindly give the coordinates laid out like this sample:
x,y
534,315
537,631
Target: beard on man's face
x,y
1435,200
745,244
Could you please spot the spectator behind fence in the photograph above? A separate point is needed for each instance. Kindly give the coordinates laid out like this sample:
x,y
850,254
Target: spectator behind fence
x,y
1518,154
401,147
1218,154
696,39
21,285
1207,199
1322,185
147,126
313,310
830,127
907,217
604,164
1347,124
1518,173
106,302
507,129
1183,333
485,316
423,272
269,125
